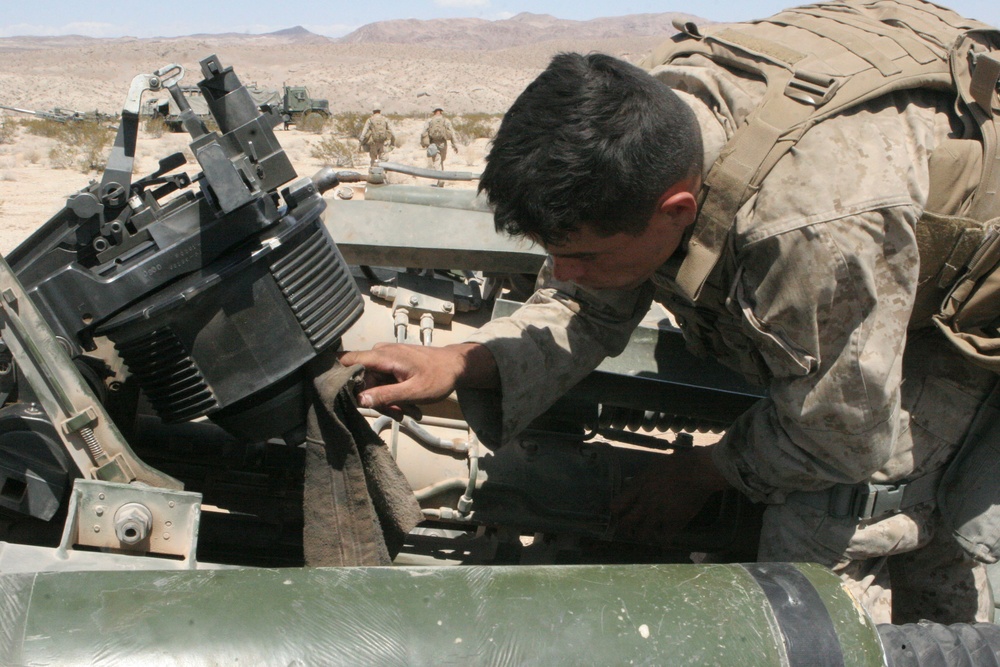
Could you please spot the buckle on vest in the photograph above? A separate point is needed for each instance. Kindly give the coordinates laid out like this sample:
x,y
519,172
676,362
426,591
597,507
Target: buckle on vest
x,y
864,501
809,88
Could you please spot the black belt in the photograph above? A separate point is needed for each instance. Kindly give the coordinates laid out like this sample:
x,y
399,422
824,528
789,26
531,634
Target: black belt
x,y
870,501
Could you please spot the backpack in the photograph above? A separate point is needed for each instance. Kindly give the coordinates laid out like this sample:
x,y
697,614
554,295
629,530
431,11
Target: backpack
x,y
379,128
437,129
864,49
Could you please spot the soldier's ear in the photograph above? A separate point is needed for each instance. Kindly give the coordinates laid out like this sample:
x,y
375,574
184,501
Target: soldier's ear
x,y
680,202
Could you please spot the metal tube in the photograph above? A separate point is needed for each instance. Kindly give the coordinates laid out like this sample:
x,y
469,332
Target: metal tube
x,y
423,172
418,433
774,614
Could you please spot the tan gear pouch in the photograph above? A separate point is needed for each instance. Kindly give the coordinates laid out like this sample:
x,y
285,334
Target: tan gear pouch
x,y
970,315
969,494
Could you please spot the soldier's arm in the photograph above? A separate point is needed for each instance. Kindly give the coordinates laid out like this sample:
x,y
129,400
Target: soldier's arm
x,y
560,334
827,306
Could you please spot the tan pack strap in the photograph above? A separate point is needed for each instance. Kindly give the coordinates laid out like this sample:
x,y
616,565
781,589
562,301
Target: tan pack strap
x,y
770,131
767,49
981,73
732,180
916,48
946,16
840,33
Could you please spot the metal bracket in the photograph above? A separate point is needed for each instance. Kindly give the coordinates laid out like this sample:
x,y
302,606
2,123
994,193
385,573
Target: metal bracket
x,y
134,519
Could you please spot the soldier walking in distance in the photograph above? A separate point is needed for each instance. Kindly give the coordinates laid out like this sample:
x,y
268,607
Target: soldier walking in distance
x,y
435,137
376,135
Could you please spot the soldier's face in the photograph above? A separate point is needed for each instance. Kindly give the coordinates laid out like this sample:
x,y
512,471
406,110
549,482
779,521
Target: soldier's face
x,y
624,261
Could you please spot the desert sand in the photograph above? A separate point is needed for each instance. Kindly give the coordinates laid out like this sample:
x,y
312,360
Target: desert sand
x,y
94,75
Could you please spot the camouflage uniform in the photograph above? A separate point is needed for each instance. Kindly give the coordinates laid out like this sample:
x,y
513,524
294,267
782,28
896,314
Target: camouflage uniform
x,y
812,299
376,133
437,132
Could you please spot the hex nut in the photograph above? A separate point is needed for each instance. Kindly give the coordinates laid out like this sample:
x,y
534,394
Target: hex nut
x,y
133,521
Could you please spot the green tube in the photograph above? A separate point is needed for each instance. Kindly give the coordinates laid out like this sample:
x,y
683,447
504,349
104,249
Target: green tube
x,y
518,615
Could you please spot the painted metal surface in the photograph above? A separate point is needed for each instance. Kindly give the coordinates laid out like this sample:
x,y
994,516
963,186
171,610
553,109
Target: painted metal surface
x,y
543,615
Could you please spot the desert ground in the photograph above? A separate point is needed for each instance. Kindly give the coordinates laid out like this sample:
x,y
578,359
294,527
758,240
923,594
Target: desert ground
x,y
94,75
33,188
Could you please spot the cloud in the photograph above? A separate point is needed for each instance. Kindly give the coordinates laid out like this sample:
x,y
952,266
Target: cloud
x,y
461,4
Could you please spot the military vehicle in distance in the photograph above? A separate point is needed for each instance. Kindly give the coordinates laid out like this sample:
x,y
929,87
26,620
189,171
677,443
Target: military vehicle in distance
x,y
297,106
155,333
167,108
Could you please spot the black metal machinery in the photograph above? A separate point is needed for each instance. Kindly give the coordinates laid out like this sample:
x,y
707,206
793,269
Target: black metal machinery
x,y
215,289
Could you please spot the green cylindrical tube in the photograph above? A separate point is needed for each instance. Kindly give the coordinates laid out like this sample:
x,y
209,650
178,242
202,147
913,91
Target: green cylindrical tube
x,y
765,614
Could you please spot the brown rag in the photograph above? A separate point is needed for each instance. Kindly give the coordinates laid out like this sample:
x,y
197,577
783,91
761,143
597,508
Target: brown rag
x,y
358,506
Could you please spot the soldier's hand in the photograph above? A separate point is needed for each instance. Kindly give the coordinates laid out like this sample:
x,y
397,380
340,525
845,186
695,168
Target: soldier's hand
x,y
398,377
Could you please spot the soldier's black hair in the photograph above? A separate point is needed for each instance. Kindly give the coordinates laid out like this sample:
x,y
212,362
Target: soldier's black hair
x,y
592,141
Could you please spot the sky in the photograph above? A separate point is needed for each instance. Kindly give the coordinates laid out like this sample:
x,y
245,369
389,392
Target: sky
x,y
335,18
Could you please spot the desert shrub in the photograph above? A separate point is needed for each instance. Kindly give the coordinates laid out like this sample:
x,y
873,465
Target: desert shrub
x,y
156,126
62,156
79,145
349,123
312,122
43,127
471,126
332,151
8,130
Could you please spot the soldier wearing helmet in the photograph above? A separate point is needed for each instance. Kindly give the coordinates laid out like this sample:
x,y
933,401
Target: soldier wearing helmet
x,y
435,137
376,135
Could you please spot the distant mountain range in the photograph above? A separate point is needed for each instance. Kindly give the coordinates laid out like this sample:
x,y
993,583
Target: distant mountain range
x,y
525,28
466,34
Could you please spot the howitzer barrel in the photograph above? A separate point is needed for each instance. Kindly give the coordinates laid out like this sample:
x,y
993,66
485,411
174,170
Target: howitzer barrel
x,y
28,111
766,614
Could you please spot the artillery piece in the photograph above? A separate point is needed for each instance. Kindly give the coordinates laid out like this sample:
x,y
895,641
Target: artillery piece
x,y
60,115
154,333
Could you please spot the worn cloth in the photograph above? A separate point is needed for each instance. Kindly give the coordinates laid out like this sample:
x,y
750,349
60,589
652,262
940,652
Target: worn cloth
x,y
358,506
812,300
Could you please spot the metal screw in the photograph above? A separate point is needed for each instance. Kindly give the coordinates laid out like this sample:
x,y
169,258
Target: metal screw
x,y
414,300
97,529
446,307
99,511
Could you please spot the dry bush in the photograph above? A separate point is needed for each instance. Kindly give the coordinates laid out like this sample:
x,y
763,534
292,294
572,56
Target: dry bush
x,y
471,126
43,127
79,144
156,126
8,130
312,122
349,123
332,151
